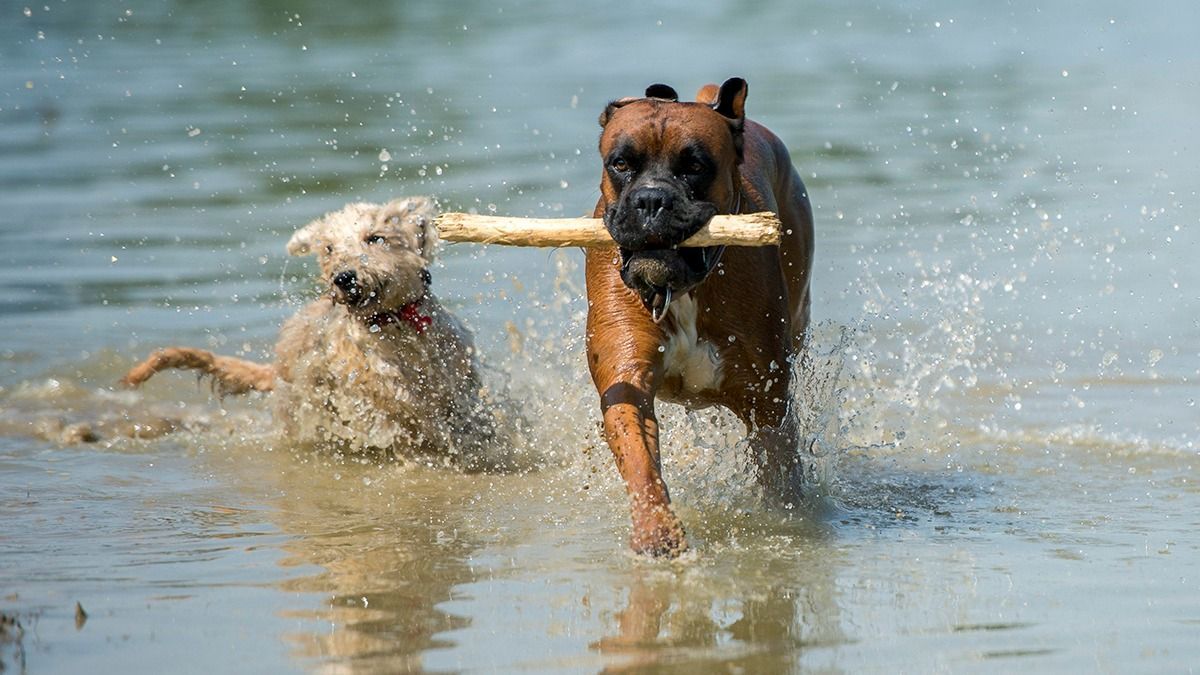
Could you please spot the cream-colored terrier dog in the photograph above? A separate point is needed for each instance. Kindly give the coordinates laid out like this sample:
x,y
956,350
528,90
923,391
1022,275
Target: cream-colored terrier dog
x,y
375,364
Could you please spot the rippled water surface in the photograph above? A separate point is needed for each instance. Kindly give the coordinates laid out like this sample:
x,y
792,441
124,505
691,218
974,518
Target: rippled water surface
x,y
1001,384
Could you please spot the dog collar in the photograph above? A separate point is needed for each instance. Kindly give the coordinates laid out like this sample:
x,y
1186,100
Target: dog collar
x,y
410,314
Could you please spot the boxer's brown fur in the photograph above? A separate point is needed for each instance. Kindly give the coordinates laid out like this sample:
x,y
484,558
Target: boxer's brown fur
x,y
730,335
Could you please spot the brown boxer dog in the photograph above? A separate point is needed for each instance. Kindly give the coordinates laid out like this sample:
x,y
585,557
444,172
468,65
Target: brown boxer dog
x,y
697,326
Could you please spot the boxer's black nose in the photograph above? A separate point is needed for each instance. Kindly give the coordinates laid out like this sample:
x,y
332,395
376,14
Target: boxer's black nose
x,y
344,280
649,202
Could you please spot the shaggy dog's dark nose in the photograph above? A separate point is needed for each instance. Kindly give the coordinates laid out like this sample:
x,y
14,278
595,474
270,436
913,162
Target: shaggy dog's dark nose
x,y
650,201
345,280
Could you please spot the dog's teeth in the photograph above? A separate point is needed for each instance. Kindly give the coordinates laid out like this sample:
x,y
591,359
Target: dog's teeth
x,y
659,312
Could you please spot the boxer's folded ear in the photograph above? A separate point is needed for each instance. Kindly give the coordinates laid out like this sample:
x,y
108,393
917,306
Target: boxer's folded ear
x,y
731,99
731,103
661,91
612,106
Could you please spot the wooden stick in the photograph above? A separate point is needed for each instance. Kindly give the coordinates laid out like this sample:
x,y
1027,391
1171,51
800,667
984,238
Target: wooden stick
x,y
747,229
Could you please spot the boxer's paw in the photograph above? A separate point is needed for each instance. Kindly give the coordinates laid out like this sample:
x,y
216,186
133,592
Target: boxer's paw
x,y
657,532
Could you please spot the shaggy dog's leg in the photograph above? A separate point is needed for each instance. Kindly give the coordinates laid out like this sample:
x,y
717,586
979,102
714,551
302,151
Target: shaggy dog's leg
x,y
230,375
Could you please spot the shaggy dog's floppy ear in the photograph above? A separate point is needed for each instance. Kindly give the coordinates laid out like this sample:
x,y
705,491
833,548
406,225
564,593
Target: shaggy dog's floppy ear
x,y
302,240
421,213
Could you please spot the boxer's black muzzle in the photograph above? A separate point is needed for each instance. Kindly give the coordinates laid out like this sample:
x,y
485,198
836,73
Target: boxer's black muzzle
x,y
648,223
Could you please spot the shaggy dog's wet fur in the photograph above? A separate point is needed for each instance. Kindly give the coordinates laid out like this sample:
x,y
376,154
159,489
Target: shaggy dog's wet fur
x,y
374,364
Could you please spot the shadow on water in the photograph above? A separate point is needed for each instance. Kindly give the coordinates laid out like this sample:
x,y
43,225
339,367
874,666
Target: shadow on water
x,y
392,546
713,615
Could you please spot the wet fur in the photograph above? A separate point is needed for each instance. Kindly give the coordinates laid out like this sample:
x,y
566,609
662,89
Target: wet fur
x,y
732,344
344,379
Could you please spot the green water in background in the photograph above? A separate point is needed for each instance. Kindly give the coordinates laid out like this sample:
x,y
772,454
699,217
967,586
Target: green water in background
x,y
1008,342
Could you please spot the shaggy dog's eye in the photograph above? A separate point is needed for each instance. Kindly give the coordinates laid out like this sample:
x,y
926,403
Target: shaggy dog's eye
x,y
376,239
329,248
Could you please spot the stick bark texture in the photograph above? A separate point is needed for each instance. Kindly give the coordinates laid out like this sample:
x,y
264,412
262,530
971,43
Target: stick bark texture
x,y
747,229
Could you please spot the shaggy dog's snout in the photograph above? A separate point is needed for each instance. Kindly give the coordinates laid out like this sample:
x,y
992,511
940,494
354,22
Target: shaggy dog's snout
x,y
348,284
346,280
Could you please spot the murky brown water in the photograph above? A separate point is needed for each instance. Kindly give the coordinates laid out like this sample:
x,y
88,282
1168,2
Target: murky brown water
x,y
1002,383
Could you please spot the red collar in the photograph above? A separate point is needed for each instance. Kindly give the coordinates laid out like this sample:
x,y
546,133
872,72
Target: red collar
x,y
410,314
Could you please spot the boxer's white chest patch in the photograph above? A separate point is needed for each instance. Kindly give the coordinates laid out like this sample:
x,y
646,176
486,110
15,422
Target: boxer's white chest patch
x,y
695,362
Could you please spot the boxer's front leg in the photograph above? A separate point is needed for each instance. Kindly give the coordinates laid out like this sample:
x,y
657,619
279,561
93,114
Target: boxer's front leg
x,y
626,366
631,430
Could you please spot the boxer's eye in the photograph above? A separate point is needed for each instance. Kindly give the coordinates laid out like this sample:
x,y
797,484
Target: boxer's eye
x,y
693,167
620,165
